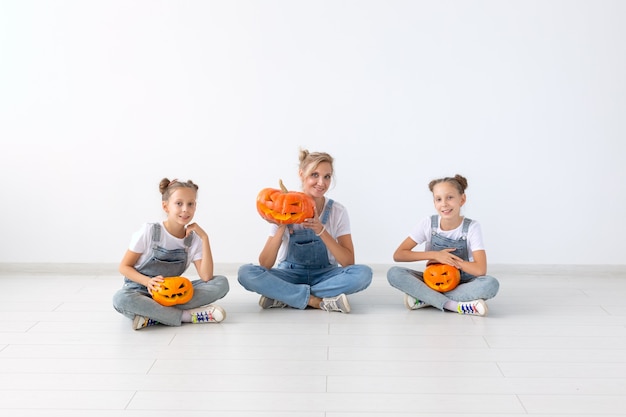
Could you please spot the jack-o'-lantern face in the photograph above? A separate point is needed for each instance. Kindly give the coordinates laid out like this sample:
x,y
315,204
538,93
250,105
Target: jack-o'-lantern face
x,y
173,291
442,278
283,206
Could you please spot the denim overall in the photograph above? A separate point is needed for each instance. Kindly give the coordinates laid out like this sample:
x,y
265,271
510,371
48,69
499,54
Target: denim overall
x,y
471,287
164,262
305,249
439,242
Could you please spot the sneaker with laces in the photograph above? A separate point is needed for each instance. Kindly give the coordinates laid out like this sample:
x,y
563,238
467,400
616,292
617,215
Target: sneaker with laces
x,y
266,302
473,308
413,303
338,303
139,322
207,314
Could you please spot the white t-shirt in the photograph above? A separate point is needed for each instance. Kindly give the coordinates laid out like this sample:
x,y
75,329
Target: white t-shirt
x,y
422,234
141,242
337,224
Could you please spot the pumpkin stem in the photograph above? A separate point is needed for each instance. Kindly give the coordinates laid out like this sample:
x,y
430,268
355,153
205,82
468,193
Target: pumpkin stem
x,y
282,186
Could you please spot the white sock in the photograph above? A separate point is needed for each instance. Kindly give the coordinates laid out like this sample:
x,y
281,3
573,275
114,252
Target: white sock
x,y
186,317
451,305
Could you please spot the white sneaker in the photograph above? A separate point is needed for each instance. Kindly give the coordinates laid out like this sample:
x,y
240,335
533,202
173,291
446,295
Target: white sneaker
x,y
338,303
413,303
266,302
207,314
139,322
473,308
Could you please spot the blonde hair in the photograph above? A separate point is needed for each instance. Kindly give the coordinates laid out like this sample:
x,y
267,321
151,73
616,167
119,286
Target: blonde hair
x,y
167,187
309,161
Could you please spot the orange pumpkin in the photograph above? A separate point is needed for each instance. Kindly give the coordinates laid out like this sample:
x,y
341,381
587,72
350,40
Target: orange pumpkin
x,y
173,290
284,206
441,277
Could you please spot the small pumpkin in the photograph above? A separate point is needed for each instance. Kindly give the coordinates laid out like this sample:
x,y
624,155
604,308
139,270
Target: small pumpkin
x,y
284,206
173,291
441,277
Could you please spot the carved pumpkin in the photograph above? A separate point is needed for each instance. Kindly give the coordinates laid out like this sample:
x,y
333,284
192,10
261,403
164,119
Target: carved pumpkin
x,y
284,206
173,290
442,278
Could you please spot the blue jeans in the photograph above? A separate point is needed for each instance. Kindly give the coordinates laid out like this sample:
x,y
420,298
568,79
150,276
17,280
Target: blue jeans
x,y
412,282
294,286
134,299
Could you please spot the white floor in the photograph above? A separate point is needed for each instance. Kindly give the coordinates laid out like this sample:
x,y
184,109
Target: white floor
x,y
554,344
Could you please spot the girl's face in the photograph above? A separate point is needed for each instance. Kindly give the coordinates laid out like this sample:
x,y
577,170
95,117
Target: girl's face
x,y
316,183
181,206
448,201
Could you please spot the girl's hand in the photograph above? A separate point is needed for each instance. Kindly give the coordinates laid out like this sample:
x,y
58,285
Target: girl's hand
x,y
446,257
154,284
195,227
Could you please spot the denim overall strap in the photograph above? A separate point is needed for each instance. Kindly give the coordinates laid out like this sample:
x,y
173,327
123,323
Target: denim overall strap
x,y
164,262
434,224
466,225
326,212
188,240
305,249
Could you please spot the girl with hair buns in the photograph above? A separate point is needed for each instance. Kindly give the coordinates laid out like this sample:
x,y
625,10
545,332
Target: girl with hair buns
x,y
315,259
449,239
166,249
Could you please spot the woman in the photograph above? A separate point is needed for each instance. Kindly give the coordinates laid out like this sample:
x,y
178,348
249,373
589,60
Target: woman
x,y
315,259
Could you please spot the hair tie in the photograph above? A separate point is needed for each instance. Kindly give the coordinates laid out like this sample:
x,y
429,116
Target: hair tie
x,y
172,182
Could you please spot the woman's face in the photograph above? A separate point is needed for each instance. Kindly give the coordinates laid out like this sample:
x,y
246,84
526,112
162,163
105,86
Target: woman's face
x,y
317,182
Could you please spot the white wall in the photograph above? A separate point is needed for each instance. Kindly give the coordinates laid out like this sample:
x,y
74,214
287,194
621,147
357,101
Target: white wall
x,y
101,99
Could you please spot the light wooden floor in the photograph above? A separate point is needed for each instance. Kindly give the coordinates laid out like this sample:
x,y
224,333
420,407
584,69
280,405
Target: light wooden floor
x,y
554,344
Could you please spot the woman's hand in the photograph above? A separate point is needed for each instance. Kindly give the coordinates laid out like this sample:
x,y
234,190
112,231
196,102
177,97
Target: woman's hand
x,y
314,224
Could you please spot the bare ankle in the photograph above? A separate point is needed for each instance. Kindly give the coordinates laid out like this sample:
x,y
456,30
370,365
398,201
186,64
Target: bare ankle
x,y
314,302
